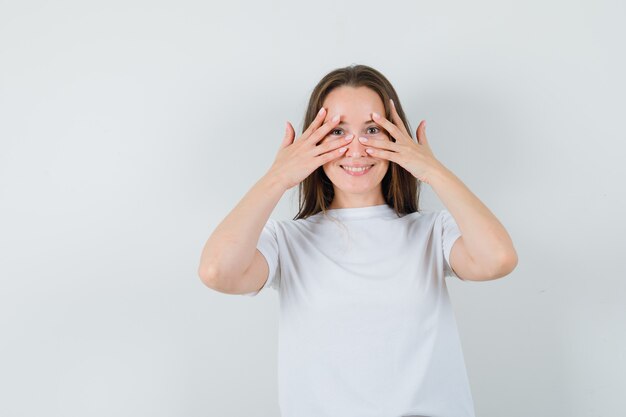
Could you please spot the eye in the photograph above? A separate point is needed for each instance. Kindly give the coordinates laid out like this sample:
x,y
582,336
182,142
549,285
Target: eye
x,y
377,129
336,130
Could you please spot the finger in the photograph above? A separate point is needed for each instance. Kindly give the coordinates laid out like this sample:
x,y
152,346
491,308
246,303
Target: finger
x,y
379,143
290,133
333,144
322,131
332,154
319,119
383,154
388,126
396,118
421,133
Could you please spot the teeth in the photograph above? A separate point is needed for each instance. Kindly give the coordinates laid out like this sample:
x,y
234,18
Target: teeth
x,y
351,169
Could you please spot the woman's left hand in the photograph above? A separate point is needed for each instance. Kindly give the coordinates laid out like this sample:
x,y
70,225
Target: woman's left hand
x,y
417,158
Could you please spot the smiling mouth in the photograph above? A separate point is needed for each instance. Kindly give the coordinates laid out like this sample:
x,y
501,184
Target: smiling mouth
x,y
356,170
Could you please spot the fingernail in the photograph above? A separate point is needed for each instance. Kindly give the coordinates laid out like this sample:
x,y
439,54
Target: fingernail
x,y
321,111
342,150
335,118
362,139
349,137
376,115
392,103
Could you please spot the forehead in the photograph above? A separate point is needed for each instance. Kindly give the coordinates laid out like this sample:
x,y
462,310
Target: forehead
x,y
353,103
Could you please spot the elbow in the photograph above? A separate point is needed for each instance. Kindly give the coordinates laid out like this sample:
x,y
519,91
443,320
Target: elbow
x,y
208,275
508,262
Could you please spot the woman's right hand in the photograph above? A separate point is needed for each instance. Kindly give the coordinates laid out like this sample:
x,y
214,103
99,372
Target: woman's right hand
x,y
297,160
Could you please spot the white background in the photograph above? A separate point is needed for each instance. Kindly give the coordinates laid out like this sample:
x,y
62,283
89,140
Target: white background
x,y
129,129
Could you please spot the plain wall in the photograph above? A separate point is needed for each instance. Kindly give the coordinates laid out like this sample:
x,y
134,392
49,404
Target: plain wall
x,y
129,129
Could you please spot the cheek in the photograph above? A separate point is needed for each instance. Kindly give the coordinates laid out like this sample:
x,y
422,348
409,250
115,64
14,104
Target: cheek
x,y
327,167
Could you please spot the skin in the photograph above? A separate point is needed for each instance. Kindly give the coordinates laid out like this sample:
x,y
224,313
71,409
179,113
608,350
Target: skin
x,y
483,252
355,107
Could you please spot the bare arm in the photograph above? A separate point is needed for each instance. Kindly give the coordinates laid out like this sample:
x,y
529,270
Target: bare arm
x,y
231,247
485,250
230,261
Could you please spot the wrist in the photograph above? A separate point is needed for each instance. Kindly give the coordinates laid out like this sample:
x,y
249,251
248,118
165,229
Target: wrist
x,y
438,174
274,182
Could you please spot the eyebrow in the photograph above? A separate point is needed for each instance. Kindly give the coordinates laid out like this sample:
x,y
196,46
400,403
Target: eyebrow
x,y
364,123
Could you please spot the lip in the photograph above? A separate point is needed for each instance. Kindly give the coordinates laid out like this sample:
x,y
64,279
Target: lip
x,y
356,174
356,165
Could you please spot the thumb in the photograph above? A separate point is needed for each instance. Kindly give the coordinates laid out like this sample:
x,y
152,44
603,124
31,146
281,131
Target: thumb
x,y
289,136
421,133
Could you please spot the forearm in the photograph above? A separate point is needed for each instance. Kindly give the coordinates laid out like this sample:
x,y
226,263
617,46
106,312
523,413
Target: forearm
x,y
230,248
486,239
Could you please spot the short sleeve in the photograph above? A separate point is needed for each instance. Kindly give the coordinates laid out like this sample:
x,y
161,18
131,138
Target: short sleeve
x,y
268,246
449,234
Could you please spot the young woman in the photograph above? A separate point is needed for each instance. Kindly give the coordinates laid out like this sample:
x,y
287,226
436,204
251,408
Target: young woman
x,y
366,325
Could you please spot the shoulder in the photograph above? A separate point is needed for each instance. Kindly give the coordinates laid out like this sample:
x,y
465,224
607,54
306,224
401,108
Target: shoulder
x,y
287,226
422,217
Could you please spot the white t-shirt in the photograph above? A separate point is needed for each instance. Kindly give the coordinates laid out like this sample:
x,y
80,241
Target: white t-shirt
x,y
366,326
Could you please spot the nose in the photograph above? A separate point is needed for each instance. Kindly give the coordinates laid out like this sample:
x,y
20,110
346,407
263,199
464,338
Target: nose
x,y
356,148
